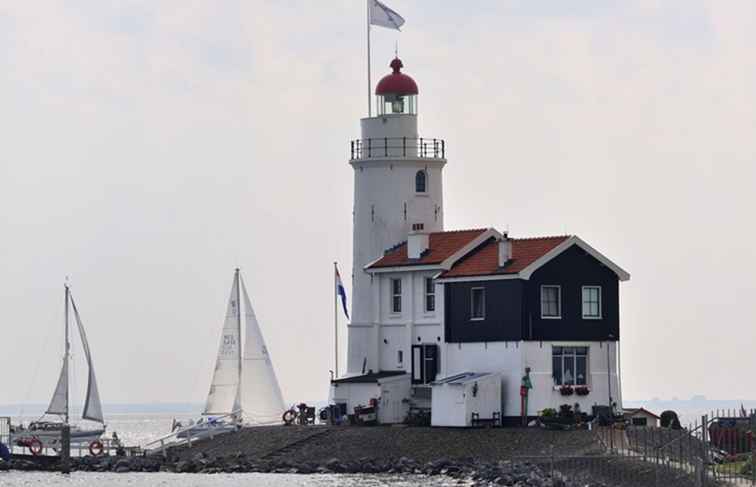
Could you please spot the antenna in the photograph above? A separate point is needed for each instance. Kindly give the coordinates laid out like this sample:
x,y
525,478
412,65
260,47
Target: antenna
x,y
396,48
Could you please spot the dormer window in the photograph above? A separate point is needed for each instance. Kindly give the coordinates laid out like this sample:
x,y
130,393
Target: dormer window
x,y
420,182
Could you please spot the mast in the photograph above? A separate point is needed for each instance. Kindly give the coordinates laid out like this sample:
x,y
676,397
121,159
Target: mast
x,y
67,354
239,330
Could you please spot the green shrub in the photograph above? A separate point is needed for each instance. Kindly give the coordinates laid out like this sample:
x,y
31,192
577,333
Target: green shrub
x,y
548,413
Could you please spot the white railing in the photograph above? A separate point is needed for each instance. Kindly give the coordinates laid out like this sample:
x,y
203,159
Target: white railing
x,y
161,445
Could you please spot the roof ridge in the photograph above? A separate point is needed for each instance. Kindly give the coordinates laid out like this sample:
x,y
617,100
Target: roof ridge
x,y
545,237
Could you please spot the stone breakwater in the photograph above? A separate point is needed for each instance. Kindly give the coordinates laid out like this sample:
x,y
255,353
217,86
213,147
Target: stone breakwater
x,y
468,472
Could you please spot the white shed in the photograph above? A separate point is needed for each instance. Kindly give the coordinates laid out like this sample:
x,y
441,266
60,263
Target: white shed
x,y
393,406
456,398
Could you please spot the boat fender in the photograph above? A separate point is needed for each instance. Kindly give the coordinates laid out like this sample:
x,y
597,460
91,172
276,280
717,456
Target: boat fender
x,y
35,446
289,417
96,448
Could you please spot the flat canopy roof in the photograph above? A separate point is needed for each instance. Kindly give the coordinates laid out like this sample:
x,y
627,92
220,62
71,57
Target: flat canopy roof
x,y
462,378
368,378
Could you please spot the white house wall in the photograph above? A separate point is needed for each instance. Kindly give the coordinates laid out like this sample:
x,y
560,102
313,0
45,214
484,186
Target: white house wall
x,y
504,358
355,394
538,356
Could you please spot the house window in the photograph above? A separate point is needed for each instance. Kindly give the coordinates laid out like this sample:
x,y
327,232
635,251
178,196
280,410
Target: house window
x,y
420,178
640,421
551,302
400,357
570,366
592,302
396,295
478,303
430,294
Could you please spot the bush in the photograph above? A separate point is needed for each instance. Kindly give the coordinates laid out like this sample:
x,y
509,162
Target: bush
x,y
548,413
668,418
748,467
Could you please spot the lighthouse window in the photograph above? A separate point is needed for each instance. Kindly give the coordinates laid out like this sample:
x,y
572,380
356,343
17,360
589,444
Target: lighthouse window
x,y
570,366
420,178
551,302
396,295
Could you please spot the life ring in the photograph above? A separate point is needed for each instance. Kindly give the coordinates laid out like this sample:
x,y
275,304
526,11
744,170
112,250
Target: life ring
x,y
35,446
96,448
289,417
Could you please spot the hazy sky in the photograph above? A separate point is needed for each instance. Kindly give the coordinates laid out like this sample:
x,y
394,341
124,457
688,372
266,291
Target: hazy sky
x,y
147,148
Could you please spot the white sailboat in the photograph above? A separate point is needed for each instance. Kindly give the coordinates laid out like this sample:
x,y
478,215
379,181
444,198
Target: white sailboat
x,y
244,388
45,433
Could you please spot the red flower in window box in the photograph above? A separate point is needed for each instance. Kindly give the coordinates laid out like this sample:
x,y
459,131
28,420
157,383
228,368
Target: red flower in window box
x,y
566,390
582,390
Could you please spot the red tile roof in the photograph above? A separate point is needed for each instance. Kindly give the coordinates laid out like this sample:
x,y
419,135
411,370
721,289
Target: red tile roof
x,y
441,246
485,260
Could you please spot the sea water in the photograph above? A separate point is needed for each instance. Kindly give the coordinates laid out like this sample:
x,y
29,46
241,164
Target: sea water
x,y
91,479
139,429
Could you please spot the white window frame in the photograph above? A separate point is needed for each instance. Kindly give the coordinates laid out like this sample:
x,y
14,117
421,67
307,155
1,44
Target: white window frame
x,y
559,302
583,302
574,358
427,294
394,295
472,304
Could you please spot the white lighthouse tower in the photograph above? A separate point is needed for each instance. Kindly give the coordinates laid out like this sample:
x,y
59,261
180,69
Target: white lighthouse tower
x,y
398,189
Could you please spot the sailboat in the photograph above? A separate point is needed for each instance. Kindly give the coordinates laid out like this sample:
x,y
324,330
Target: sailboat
x,y
42,433
244,388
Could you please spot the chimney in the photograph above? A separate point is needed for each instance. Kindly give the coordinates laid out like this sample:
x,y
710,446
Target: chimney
x,y
505,250
417,243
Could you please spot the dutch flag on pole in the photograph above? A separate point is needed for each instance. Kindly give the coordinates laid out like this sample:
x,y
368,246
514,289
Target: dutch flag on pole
x,y
341,291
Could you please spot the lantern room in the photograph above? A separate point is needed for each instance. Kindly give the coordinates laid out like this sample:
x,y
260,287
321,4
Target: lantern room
x,y
396,93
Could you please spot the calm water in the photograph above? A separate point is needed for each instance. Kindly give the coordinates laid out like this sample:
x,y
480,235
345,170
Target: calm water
x,y
138,429
76,479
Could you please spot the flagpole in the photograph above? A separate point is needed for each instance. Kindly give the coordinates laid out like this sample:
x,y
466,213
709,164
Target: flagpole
x,y
369,85
335,322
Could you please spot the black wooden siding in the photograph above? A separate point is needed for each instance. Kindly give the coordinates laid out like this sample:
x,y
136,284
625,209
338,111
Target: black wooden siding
x,y
572,270
503,316
513,306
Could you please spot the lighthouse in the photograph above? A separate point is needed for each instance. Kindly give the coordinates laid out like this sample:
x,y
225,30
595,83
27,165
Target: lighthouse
x,y
398,192
469,324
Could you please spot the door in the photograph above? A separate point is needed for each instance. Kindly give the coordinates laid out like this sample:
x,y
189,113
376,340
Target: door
x,y
424,363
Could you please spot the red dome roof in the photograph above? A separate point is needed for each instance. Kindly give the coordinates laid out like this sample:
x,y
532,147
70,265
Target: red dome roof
x,y
396,83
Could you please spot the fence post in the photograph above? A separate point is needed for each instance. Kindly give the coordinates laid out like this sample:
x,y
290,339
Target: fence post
x,y
65,451
705,452
753,447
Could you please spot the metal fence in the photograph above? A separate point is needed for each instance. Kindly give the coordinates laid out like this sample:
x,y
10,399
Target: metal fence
x,y
717,450
386,147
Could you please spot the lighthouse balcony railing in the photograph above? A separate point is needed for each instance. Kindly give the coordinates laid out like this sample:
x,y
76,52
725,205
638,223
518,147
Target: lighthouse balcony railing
x,y
385,147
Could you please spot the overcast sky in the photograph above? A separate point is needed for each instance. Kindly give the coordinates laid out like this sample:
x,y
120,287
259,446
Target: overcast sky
x,y
147,148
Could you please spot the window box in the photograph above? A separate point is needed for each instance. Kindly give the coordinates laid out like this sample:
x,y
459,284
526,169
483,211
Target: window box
x,y
582,390
566,390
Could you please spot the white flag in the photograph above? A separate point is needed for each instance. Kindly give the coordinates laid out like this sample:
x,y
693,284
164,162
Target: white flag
x,y
383,16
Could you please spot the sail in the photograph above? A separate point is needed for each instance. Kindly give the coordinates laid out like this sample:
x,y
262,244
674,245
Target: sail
x,y
223,397
92,404
59,401
262,401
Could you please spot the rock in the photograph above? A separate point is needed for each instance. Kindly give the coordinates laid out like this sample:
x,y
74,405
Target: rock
x,y
123,469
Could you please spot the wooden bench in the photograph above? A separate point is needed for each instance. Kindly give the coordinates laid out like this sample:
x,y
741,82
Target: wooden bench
x,y
492,422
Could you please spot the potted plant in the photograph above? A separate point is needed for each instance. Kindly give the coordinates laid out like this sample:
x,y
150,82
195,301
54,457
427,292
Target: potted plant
x,y
582,390
566,390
